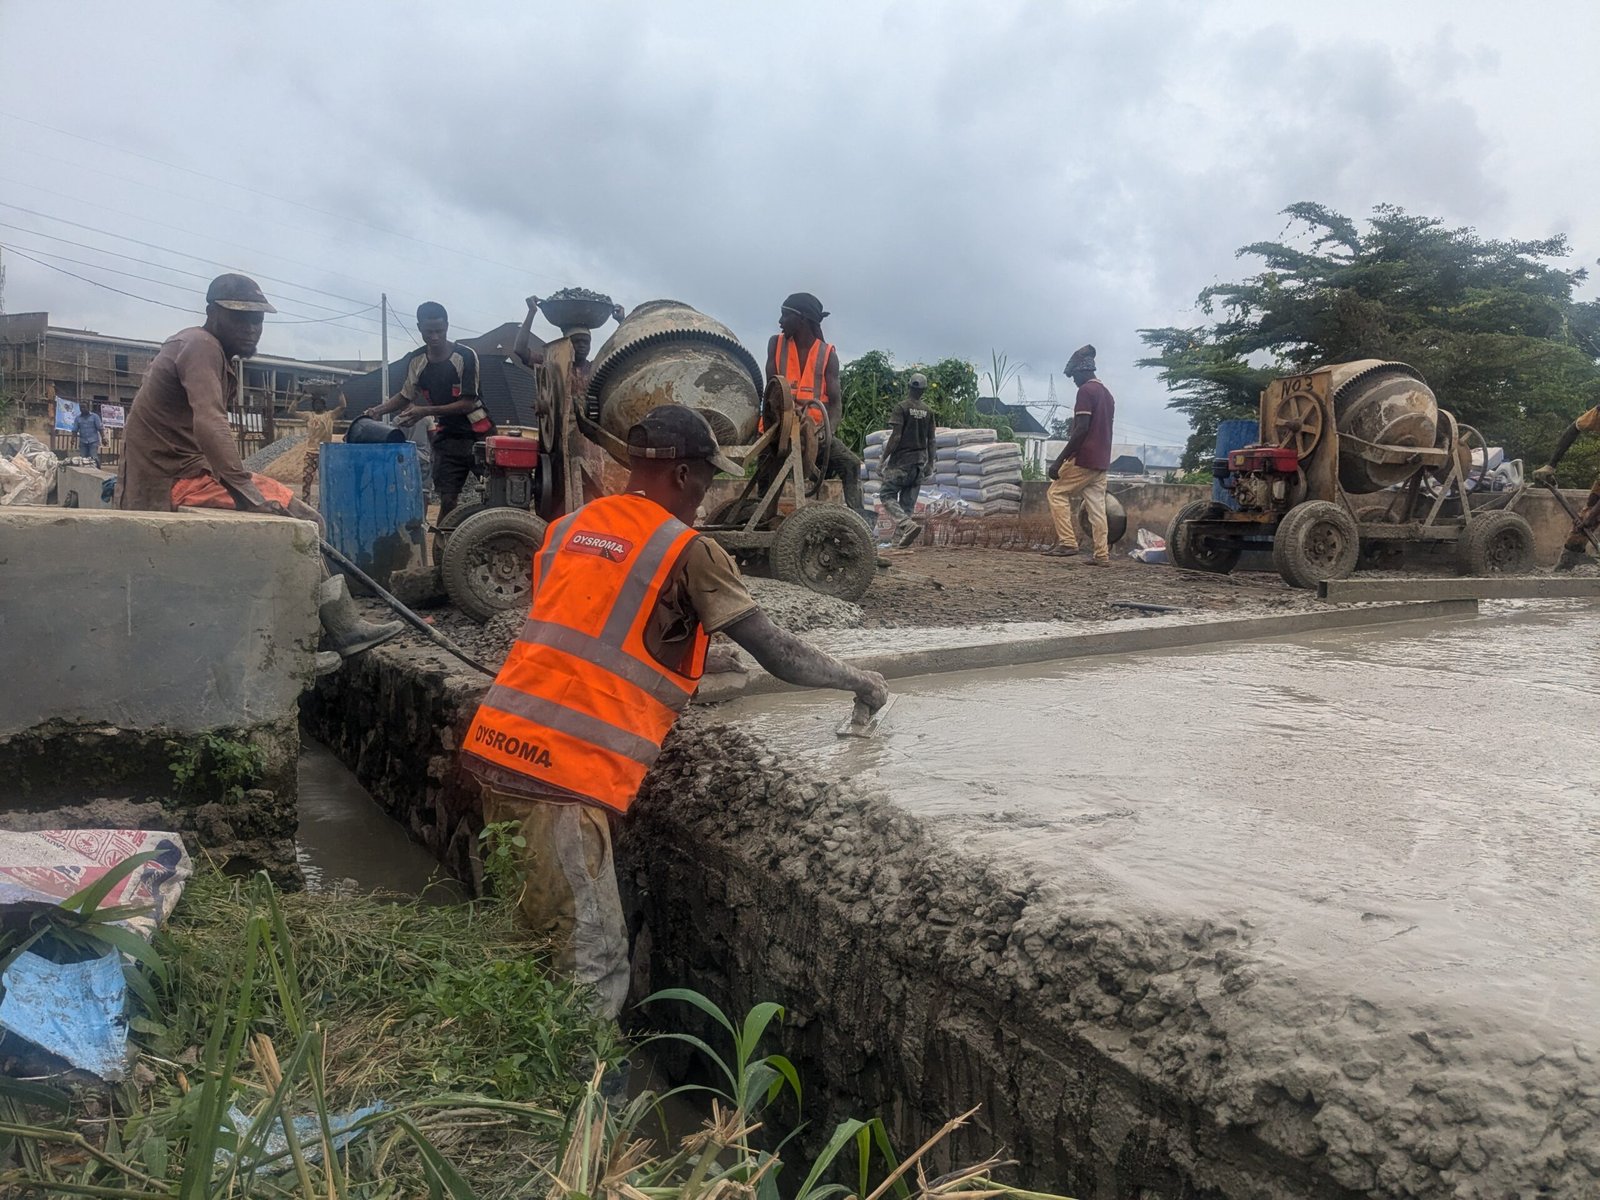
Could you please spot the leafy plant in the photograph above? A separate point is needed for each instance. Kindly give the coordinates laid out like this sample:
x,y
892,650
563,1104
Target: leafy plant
x,y
1001,372
216,765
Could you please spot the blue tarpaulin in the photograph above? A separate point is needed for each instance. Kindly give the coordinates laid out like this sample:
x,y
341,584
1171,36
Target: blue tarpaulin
x,y
76,1010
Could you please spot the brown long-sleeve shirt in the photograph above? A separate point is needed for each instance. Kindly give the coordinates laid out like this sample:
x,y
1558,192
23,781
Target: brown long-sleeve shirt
x,y
177,427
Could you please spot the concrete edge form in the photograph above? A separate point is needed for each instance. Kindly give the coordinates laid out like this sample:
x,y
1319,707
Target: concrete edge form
x,y
1126,639
1472,587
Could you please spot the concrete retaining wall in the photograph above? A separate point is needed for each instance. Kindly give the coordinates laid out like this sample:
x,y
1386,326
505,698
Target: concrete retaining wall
x,y
131,642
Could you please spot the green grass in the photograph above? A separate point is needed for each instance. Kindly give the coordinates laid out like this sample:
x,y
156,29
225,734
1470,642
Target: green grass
x,y
311,1005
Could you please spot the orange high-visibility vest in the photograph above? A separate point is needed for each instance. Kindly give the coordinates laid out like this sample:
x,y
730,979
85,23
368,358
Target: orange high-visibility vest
x,y
808,380
580,703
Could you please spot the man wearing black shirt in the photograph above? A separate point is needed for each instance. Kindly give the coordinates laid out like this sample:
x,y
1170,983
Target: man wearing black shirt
x,y
442,382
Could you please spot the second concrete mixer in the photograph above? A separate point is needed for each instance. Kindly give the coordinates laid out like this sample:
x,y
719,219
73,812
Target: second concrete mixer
x,y
1353,459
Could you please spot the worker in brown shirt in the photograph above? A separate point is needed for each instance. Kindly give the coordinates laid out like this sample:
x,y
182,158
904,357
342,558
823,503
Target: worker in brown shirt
x,y
178,448
179,451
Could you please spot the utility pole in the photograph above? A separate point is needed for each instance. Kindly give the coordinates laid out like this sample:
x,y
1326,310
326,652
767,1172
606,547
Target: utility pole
x,y
383,367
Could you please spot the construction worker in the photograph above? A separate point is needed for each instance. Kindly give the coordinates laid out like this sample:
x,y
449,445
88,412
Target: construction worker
x,y
442,384
798,353
580,338
907,459
1577,543
89,428
625,596
1078,474
179,450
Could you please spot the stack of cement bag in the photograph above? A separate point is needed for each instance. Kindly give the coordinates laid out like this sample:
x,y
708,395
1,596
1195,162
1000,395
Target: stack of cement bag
x,y
973,474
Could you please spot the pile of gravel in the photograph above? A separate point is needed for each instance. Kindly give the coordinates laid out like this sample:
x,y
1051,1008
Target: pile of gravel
x,y
799,609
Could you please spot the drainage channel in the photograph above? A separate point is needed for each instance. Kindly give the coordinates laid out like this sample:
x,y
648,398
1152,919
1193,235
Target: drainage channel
x,y
1297,916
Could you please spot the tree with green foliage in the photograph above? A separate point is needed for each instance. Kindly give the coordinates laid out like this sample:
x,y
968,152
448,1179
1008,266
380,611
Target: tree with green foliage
x,y
1492,325
872,385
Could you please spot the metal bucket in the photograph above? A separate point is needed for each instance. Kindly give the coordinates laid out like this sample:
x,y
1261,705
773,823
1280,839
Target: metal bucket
x,y
668,353
1387,404
368,431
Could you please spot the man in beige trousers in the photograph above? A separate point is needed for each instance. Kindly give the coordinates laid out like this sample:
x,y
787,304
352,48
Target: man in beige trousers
x,y
1078,474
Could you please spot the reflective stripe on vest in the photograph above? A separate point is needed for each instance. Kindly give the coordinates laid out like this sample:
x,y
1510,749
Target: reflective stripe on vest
x,y
808,380
580,703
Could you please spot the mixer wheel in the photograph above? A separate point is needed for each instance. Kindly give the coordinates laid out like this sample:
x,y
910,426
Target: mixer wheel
x,y
1317,541
1188,552
487,564
1496,543
827,548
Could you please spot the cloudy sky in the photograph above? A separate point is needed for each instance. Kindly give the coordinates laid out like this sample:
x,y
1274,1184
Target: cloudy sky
x,y
950,178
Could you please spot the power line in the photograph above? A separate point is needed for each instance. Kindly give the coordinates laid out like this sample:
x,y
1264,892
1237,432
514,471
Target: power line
x,y
304,319
96,283
269,195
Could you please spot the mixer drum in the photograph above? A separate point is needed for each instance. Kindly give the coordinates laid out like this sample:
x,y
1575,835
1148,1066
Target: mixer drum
x,y
1386,403
665,352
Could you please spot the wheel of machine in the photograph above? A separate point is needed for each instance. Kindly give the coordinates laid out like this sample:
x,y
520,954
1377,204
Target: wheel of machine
x,y
1116,522
826,548
488,561
1317,541
1496,543
1183,550
451,521
732,512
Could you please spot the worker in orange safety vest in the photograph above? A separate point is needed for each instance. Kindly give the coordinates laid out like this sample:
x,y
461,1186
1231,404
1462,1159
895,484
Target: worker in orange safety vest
x,y
625,597
798,353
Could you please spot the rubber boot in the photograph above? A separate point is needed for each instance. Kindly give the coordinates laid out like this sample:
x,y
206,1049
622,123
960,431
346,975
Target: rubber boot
x,y
327,663
343,626
1568,559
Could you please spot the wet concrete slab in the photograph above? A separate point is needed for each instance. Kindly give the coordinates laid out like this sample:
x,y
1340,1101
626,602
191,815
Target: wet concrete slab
x,y
1410,811
1397,828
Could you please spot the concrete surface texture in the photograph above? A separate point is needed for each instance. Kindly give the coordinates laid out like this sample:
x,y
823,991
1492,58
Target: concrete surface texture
x,y
173,621
1380,840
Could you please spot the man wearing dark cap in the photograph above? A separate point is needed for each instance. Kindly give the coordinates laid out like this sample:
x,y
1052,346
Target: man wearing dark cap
x,y
798,353
625,597
178,447
1078,474
907,459
179,451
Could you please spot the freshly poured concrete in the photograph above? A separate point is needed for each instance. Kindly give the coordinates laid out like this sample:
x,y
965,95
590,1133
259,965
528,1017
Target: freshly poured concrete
x,y
1394,830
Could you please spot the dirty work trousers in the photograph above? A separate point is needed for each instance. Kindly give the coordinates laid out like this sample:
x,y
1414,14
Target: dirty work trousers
x,y
898,496
1588,519
569,891
1072,486
845,466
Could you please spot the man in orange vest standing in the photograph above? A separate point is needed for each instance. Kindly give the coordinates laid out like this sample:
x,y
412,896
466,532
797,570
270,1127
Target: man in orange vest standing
x,y
625,597
798,353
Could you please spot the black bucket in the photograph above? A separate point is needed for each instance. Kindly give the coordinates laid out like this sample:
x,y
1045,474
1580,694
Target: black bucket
x,y
367,431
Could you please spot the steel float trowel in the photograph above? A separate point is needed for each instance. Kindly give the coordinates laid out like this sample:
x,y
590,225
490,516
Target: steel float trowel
x,y
864,721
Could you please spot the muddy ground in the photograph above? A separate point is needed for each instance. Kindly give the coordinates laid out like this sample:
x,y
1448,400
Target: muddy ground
x,y
959,586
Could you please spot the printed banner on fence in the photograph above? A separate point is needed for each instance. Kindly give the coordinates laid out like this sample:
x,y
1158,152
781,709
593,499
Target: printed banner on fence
x,y
66,414
112,416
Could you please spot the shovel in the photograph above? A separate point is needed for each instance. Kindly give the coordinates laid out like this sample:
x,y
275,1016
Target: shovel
x,y
1577,521
865,722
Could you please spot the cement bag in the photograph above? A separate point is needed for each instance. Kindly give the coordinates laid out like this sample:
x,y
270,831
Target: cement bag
x,y
1151,548
946,479
988,452
999,491
1001,468
961,437
877,437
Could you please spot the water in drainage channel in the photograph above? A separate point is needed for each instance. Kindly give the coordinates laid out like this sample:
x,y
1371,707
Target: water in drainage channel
x,y
346,840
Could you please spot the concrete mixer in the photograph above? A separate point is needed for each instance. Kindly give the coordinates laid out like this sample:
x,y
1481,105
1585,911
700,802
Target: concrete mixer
x,y
663,352
1353,461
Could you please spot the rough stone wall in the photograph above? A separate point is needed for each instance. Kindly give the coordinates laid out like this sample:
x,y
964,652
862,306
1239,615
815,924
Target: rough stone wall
x,y
1117,1057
